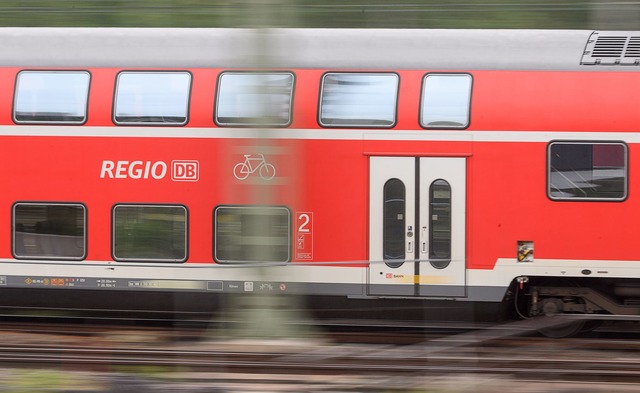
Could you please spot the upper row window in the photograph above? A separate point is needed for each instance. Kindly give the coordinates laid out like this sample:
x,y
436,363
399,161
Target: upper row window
x,y
358,99
243,99
149,98
249,99
370,100
446,101
51,97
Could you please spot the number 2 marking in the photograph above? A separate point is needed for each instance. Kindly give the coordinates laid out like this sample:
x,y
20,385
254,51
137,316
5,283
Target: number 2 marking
x,y
305,222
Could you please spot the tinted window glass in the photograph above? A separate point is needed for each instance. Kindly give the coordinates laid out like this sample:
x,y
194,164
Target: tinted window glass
x,y
51,97
49,231
152,98
357,99
446,100
251,99
440,228
252,234
591,171
394,222
150,233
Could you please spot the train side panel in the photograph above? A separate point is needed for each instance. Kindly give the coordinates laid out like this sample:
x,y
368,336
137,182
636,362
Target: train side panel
x,y
391,211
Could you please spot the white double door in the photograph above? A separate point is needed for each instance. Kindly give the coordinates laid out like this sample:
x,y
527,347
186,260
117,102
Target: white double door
x,y
417,229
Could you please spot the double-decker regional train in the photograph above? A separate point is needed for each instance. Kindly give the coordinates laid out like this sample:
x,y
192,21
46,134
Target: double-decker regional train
x,y
382,170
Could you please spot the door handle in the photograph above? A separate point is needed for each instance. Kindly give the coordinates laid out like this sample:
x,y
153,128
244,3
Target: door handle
x,y
423,244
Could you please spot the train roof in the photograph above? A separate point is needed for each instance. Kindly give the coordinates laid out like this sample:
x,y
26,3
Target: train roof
x,y
389,49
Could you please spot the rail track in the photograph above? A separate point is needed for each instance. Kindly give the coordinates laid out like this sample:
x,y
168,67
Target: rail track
x,y
334,363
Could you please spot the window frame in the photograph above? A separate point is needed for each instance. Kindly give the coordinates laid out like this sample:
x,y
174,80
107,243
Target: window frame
x,y
56,122
356,125
45,257
249,262
423,96
149,260
587,199
151,123
256,124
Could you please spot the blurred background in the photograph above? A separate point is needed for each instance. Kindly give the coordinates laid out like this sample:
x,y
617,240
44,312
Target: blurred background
x,y
218,361
538,14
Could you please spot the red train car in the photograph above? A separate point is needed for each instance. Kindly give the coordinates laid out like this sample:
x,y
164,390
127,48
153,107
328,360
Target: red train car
x,y
385,169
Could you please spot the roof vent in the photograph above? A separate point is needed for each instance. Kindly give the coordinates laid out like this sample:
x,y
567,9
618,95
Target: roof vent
x,y
612,48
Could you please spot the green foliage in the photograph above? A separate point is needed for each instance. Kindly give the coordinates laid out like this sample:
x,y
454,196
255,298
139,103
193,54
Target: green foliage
x,y
583,14
149,371
27,381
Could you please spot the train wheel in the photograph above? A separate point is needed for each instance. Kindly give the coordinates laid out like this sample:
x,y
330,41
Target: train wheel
x,y
553,306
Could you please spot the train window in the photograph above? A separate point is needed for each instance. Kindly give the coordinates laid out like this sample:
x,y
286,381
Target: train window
x,y
150,233
152,98
358,100
252,234
587,171
440,228
393,228
49,231
51,97
446,101
248,99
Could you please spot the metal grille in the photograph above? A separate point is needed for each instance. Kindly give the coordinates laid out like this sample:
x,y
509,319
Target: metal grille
x,y
633,47
612,48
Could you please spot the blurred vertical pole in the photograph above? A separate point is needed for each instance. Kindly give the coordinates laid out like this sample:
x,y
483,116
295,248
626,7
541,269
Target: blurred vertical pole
x,y
261,314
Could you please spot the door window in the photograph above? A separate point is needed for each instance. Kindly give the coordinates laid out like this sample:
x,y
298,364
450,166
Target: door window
x,y
440,228
394,222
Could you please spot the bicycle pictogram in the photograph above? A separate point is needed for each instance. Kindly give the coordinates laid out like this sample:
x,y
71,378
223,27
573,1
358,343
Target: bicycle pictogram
x,y
254,163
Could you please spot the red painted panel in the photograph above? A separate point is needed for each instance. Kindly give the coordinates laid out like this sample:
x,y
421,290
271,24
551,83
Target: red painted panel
x,y
507,200
507,187
554,101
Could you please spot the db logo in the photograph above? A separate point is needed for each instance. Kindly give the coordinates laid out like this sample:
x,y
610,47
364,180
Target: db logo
x,y
181,170
185,170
